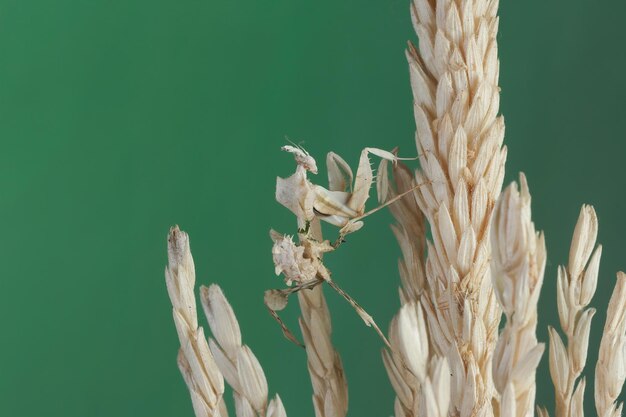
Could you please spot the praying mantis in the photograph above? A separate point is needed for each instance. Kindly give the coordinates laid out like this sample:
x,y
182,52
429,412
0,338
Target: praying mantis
x,y
342,204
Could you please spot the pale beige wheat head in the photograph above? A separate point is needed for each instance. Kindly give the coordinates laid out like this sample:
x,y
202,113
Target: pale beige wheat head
x,y
518,264
454,77
196,363
576,285
611,365
421,380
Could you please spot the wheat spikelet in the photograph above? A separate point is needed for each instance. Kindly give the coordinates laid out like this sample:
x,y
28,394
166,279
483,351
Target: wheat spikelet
x,y
196,363
454,78
240,367
518,264
421,380
611,365
576,285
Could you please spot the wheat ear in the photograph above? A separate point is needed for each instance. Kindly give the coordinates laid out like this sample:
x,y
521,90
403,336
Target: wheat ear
x,y
518,265
330,390
196,363
454,78
611,365
576,285
240,367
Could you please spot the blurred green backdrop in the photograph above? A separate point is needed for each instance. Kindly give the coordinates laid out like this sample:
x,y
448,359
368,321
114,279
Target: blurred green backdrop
x,y
121,118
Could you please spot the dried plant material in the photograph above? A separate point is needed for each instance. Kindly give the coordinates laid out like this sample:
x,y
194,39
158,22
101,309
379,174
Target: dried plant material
x,y
196,363
240,367
611,365
421,381
454,78
518,264
411,235
276,408
576,286
542,412
413,339
435,400
410,230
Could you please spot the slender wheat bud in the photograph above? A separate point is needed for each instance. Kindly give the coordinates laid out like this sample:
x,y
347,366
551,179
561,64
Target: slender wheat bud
x,y
518,264
611,365
196,363
454,77
330,389
576,286
240,367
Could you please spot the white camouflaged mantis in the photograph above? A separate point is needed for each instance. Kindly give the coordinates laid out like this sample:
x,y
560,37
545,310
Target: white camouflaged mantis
x,y
342,205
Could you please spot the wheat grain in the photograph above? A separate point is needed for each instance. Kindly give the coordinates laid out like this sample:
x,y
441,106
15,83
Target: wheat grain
x,y
576,285
454,78
421,380
196,363
518,264
611,365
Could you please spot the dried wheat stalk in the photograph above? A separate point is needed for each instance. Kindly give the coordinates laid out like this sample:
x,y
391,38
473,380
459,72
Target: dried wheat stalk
x,y
611,365
454,78
518,264
196,363
576,285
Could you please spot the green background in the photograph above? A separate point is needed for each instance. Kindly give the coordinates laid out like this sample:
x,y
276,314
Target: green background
x,y
121,118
